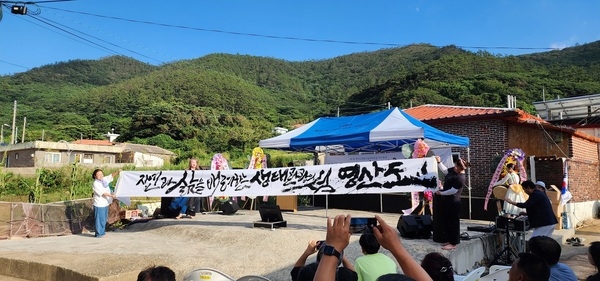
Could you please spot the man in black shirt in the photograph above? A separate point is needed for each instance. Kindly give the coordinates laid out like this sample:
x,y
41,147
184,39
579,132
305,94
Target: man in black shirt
x,y
539,210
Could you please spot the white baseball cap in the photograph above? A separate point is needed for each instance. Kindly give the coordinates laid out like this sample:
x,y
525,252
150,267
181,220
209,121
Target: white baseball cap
x,y
540,183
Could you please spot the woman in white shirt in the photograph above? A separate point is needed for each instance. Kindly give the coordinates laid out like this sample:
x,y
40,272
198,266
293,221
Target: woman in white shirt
x,y
102,198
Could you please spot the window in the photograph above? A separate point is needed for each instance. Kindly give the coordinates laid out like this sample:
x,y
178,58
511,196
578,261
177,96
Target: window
x,y
107,159
52,157
88,159
16,156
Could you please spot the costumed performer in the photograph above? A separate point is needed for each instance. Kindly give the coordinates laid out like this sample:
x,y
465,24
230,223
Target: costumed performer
x,y
514,191
454,181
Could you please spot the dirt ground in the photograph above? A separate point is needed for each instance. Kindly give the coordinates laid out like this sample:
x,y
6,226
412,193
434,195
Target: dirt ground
x,y
227,243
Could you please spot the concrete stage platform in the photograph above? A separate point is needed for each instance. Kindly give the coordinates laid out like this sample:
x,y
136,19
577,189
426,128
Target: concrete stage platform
x,y
227,243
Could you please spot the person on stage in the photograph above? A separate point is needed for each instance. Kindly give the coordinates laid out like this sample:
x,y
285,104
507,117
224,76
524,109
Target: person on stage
x,y
514,191
454,181
539,210
194,203
102,197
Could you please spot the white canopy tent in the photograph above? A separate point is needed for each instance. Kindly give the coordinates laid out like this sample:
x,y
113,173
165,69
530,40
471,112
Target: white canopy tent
x,y
381,131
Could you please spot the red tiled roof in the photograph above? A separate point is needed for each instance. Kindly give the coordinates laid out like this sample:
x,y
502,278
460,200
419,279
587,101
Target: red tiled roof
x,y
438,112
434,112
94,142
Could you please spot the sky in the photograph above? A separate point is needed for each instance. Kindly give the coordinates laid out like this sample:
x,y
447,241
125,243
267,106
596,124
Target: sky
x,y
160,32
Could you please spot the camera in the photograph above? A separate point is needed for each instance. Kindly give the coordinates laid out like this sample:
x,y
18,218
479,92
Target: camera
x,y
362,225
319,244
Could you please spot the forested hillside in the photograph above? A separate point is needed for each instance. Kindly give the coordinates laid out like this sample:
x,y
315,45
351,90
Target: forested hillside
x,y
225,102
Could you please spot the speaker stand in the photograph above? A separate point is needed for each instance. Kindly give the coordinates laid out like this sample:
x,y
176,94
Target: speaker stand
x,y
508,252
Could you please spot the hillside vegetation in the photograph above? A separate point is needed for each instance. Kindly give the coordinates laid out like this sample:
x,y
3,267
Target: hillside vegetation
x,y
227,103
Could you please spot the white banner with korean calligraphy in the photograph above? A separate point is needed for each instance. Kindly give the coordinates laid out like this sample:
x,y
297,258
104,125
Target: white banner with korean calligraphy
x,y
403,175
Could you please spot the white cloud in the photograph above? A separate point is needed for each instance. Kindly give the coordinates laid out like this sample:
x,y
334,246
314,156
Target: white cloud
x,y
564,44
558,45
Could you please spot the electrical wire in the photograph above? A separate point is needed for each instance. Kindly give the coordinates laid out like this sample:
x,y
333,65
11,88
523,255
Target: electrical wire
x,y
71,33
547,135
99,39
292,37
14,64
52,30
111,35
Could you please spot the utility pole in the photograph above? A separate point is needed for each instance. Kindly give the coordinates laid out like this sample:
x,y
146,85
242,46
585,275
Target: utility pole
x,y
24,123
12,137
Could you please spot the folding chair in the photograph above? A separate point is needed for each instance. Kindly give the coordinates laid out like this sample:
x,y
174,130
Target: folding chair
x,y
253,278
207,274
471,276
499,275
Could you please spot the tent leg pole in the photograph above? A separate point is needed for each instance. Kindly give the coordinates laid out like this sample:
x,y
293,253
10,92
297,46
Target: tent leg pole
x,y
380,202
469,179
326,204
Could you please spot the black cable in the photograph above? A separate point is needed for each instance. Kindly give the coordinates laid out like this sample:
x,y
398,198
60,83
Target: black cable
x,y
62,16
292,37
71,33
99,39
14,64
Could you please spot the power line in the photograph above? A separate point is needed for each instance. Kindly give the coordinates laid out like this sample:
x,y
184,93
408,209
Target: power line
x,y
99,39
293,37
71,33
111,35
14,64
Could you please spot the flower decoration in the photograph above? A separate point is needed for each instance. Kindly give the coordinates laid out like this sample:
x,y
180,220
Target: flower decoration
x,y
420,149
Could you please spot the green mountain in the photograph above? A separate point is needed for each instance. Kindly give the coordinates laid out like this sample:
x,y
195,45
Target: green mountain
x,y
224,102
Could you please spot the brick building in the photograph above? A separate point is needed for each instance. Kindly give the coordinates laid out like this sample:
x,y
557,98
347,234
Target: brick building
x,y
549,150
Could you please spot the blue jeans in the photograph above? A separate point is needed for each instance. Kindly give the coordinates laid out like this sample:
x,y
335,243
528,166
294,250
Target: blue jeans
x,y
100,217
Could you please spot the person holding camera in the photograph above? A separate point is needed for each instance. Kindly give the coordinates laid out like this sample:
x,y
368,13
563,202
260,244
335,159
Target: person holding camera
x,y
338,238
303,272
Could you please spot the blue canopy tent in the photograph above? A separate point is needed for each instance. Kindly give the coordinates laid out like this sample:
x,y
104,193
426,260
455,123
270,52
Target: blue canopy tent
x,y
380,131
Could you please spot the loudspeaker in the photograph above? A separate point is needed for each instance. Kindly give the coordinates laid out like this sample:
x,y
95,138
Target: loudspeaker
x,y
229,207
412,226
165,211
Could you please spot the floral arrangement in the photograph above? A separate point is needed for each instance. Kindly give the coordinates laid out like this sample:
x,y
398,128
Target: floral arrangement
x,y
420,149
515,156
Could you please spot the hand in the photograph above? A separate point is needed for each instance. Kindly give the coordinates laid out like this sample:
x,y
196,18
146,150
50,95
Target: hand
x,y
386,235
438,192
311,248
338,232
438,159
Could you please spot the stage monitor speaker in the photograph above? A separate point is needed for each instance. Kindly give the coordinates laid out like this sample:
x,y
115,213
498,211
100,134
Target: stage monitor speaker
x,y
229,207
270,213
413,226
